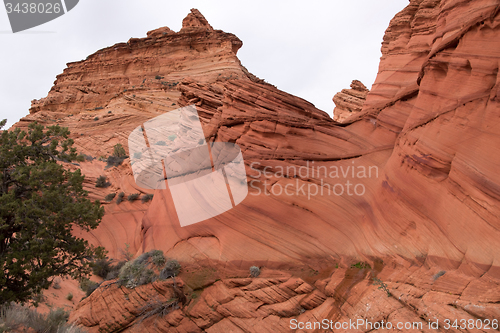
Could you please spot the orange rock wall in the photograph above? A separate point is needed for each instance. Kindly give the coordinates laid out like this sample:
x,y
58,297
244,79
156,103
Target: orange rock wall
x,y
428,126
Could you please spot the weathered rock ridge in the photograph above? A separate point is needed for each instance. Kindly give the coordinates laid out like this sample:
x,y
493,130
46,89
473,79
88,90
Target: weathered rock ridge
x,y
427,221
349,101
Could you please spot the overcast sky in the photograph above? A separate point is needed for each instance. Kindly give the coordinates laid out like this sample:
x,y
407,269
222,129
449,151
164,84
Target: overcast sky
x,y
311,49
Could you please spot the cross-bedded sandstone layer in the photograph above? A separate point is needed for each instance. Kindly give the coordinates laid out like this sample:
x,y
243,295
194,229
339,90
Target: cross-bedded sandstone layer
x,y
427,222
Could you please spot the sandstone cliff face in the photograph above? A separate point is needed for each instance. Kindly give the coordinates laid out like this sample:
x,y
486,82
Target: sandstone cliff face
x,y
141,65
349,101
269,302
427,221
442,101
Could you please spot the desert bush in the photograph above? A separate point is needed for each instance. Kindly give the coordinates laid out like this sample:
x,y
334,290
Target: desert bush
x,y
101,182
126,252
132,197
69,297
85,157
158,77
171,269
142,270
254,271
57,317
118,156
146,197
114,161
115,270
101,267
79,158
143,257
119,151
120,197
88,286
137,155
157,258
15,318
110,196
96,118
106,269
92,288
135,273
39,298
161,143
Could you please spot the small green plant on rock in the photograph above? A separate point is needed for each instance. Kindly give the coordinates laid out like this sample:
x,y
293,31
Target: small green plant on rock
x,y
119,151
133,197
361,265
119,155
382,285
146,197
101,182
110,196
120,197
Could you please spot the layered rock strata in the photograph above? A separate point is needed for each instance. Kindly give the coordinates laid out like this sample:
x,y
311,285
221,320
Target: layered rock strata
x,y
349,101
405,190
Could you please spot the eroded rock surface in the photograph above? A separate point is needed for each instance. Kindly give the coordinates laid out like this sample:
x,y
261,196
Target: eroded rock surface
x,y
277,301
349,101
426,221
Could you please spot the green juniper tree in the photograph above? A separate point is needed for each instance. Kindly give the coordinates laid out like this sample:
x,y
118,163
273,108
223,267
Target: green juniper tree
x,y
41,202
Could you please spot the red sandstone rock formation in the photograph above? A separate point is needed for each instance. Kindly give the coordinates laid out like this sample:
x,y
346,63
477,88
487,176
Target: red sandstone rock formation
x,y
349,101
428,220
